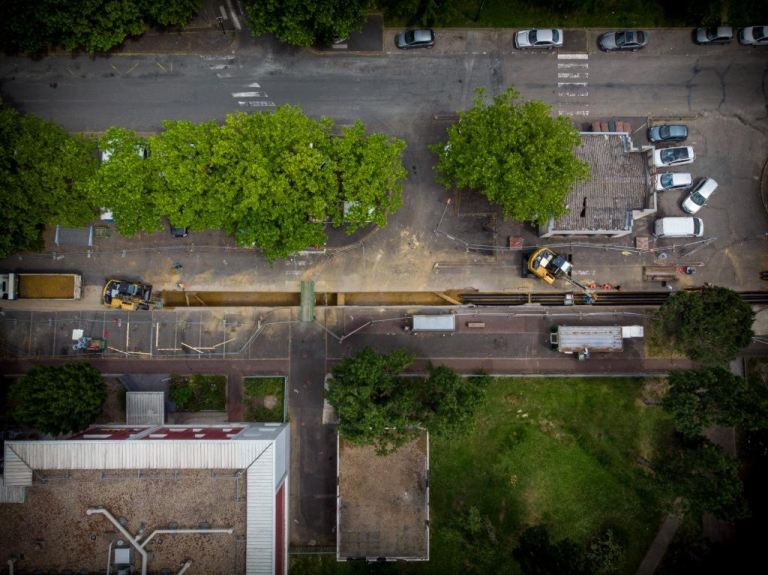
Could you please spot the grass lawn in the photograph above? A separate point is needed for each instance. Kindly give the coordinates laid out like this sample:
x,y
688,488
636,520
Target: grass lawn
x,y
263,398
555,451
657,342
198,392
596,14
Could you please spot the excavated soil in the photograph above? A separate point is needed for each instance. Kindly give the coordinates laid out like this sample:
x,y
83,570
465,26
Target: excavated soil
x,y
46,286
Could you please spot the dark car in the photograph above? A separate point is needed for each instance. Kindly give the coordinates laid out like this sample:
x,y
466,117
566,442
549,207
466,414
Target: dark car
x,y
668,133
179,232
719,35
632,40
415,39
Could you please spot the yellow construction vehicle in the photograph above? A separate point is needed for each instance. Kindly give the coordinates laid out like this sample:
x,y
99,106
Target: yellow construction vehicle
x,y
548,266
132,296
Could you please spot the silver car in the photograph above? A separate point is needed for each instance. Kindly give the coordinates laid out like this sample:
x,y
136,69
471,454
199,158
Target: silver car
x,y
629,40
549,38
719,35
754,36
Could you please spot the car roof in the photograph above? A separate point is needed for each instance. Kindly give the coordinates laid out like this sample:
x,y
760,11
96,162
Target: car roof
x,y
677,129
422,35
544,35
680,177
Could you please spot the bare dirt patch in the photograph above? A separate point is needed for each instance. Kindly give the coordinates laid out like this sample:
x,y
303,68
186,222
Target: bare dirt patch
x,y
46,286
383,501
114,407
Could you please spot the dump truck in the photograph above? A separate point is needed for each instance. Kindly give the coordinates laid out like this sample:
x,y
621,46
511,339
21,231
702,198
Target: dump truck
x,y
41,286
133,296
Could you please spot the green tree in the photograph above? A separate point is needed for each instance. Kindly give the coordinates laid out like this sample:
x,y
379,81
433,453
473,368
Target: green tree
x,y
605,554
301,23
537,555
710,326
699,398
514,153
59,399
373,405
419,12
43,174
124,183
376,407
94,25
706,478
369,168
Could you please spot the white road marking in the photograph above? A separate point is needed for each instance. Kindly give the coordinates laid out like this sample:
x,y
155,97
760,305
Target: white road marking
x,y
564,84
223,13
570,65
257,103
573,75
216,57
573,94
254,85
573,113
248,95
225,75
572,56
235,21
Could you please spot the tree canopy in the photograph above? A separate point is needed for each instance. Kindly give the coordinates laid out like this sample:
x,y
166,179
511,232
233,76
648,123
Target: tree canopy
x,y
43,175
699,398
270,179
514,153
376,406
707,479
93,25
301,23
59,399
710,326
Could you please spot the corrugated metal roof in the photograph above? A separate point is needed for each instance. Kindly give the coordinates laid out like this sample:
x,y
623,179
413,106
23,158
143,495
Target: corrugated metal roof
x,y
145,407
127,454
260,546
594,338
446,322
16,472
11,494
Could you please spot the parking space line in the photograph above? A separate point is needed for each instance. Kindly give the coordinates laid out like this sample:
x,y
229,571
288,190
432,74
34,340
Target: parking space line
x,y
572,56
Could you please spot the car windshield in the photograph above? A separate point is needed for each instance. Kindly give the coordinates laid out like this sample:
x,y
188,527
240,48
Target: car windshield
x,y
696,226
672,154
667,180
698,199
555,35
621,38
532,37
664,131
711,33
409,36
759,33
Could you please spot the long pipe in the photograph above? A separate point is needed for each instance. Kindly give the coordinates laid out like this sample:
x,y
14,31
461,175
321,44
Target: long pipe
x,y
182,531
185,567
124,531
11,561
109,557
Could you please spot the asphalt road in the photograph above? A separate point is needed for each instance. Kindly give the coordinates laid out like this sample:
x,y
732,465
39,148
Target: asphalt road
x,y
400,93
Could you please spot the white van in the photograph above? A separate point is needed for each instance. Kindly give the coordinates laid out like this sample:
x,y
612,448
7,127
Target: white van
x,y
678,228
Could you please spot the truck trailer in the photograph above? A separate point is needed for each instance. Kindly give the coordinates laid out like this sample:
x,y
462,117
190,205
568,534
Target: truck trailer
x,y
41,286
584,340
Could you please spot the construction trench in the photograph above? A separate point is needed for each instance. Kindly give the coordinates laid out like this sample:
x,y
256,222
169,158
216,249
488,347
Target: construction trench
x,y
192,299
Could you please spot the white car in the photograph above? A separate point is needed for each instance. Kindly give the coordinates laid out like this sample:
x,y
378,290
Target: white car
x,y
754,36
673,156
549,38
699,195
673,181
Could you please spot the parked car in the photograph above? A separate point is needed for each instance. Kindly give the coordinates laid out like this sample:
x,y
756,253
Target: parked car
x,y
673,181
415,39
673,156
754,36
699,195
668,133
719,35
179,232
549,38
632,40
678,228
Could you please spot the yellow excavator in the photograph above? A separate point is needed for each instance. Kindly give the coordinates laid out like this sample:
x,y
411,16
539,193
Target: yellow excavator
x,y
132,296
545,264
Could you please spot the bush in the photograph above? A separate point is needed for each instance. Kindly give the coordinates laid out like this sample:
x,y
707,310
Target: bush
x,y
59,399
198,392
